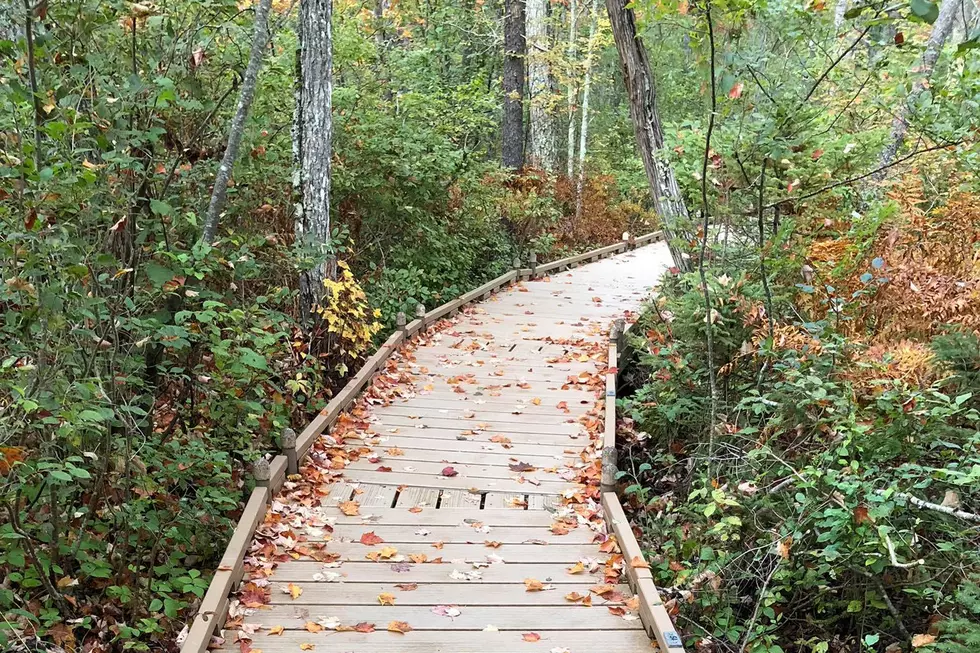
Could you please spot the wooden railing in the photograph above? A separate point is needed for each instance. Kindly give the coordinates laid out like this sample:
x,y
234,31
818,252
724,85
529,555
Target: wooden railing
x,y
271,474
653,614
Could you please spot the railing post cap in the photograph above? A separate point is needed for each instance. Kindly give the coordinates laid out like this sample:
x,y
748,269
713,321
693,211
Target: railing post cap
x,y
261,470
420,310
288,438
400,320
533,258
517,262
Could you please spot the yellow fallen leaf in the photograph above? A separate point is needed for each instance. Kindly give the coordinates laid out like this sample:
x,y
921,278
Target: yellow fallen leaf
x,y
533,585
536,401
386,599
349,508
276,630
399,627
577,568
305,646
294,590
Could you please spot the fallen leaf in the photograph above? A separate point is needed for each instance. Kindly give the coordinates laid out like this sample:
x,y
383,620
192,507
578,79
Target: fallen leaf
x,y
449,472
418,558
639,563
531,637
306,646
415,510
575,597
399,627
493,544
370,539
736,91
521,467
386,599
364,627
276,630
536,401
577,568
349,508
407,587
313,626
446,611
922,639
294,590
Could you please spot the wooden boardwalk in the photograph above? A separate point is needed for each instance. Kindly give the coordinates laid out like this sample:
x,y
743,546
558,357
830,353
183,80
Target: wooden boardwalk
x,y
455,508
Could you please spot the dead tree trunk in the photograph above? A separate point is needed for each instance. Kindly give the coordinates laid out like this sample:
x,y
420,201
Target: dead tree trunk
x,y
586,88
941,29
642,94
313,131
260,40
512,128
572,91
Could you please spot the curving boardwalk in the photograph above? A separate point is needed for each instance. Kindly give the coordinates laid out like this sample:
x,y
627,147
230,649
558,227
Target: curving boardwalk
x,y
455,507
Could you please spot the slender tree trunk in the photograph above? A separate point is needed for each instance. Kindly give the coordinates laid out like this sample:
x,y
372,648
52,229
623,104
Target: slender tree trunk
x,y
260,39
314,132
572,90
948,11
642,94
512,129
32,79
543,151
584,131
966,20
839,10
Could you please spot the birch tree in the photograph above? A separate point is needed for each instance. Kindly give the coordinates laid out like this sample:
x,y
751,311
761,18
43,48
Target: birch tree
x,y
512,128
260,39
572,90
586,87
642,92
948,12
312,136
543,152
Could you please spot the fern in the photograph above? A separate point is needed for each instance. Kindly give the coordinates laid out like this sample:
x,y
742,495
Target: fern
x,y
962,634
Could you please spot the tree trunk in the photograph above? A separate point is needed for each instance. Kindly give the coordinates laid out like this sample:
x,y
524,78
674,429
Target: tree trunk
x,y
543,150
512,129
941,29
839,10
966,20
584,131
260,40
642,93
314,131
572,90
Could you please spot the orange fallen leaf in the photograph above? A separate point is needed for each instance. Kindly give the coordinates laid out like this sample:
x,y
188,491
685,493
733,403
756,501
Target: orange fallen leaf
x,y
922,640
349,508
493,544
617,610
418,558
416,510
294,590
533,585
575,597
531,637
399,627
639,563
386,599
313,626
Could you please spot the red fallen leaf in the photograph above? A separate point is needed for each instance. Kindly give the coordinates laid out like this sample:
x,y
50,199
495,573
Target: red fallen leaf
x,y
415,510
861,515
370,539
816,154
449,472
531,637
617,610
364,627
407,587
383,468
736,91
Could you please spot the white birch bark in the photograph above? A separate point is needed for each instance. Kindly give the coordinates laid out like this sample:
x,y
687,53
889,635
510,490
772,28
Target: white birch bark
x,y
941,29
839,10
543,147
572,89
584,131
260,39
314,131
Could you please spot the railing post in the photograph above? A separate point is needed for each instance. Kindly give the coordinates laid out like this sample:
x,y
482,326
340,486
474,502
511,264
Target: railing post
x,y
261,472
420,315
533,262
619,328
400,321
609,470
289,450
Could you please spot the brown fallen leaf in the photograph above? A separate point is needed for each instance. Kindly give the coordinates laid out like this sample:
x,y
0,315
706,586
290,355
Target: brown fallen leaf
x,y
399,627
386,599
493,544
531,637
364,627
313,626
617,610
407,587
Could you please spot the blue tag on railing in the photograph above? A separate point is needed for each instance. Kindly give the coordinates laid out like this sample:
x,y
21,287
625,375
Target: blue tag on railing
x,y
672,638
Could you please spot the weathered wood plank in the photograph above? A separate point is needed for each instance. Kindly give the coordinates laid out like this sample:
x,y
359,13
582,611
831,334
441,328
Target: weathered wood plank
x,y
459,534
459,593
444,516
373,479
300,571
